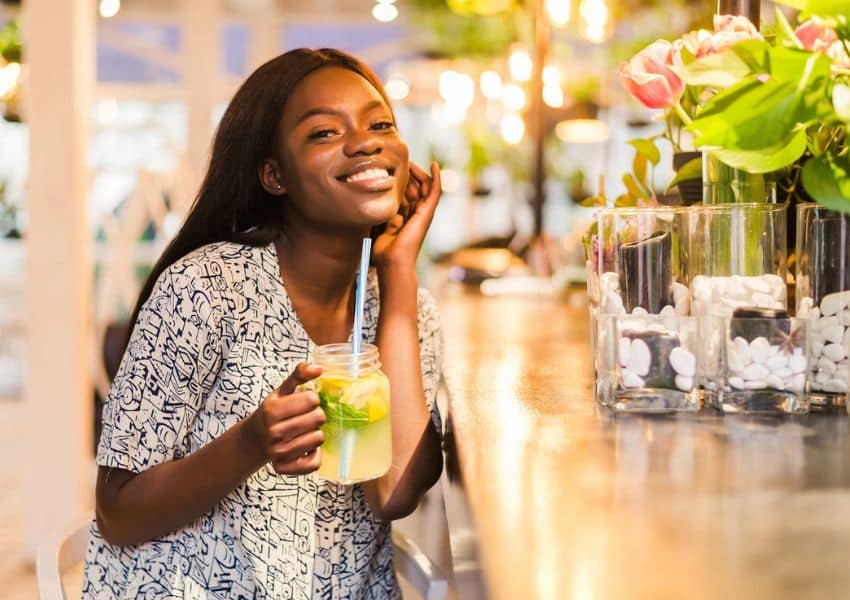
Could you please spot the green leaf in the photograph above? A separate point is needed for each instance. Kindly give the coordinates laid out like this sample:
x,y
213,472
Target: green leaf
x,y
688,172
639,165
625,201
785,35
827,182
647,148
767,159
341,414
723,69
821,8
592,201
798,66
634,187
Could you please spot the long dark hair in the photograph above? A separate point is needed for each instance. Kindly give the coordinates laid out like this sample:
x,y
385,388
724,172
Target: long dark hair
x,y
231,204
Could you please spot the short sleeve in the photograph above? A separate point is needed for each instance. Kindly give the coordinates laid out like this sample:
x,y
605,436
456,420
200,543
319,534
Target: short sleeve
x,y
170,365
430,352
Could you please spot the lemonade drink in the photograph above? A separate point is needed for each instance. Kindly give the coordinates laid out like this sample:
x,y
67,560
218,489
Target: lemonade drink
x,y
356,402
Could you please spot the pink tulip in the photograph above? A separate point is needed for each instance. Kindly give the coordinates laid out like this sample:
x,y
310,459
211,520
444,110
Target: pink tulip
x,y
735,24
648,77
815,36
838,53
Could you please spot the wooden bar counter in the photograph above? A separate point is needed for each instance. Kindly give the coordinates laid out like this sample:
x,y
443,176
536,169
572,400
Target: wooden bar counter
x,y
570,501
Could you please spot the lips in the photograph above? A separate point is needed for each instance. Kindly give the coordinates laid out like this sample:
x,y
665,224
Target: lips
x,y
367,171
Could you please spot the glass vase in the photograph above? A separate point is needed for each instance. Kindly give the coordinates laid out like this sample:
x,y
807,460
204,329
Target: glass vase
x,y
736,257
823,295
723,184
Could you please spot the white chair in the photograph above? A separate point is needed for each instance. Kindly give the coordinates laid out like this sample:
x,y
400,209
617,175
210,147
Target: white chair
x,y
58,556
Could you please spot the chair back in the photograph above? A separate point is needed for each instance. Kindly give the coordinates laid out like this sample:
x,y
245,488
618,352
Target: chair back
x,y
57,556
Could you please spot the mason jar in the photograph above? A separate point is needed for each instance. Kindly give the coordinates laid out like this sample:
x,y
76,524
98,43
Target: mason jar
x,y
355,395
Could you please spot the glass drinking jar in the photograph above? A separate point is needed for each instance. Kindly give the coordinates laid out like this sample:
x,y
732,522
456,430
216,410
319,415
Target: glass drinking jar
x,y
355,395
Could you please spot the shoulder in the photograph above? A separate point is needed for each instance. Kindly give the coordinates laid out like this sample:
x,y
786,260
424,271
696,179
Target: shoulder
x,y
211,276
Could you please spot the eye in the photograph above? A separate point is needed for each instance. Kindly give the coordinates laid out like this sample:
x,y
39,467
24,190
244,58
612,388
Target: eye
x,y
383,125
321,134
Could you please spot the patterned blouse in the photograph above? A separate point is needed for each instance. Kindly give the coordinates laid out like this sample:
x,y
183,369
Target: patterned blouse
x,y
216,336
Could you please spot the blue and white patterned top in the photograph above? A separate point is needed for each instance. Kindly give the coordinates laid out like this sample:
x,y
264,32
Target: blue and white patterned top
x,y
216,336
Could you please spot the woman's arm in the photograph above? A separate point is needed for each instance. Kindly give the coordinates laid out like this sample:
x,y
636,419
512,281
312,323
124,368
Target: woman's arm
x,y
417,457
133,508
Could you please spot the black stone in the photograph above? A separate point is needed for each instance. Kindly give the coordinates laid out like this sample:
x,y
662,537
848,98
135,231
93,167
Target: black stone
x,y
646,273
661,373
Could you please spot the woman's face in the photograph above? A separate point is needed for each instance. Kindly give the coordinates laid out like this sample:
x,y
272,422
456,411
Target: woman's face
x,y
342,162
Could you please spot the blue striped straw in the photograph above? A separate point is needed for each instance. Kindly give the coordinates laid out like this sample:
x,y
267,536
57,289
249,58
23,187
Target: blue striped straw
x,y
347,442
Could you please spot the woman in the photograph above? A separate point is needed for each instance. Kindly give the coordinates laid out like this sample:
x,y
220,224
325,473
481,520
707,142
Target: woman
x,y
206,485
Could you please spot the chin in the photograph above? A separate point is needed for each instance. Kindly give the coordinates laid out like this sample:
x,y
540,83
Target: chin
x,y
380,210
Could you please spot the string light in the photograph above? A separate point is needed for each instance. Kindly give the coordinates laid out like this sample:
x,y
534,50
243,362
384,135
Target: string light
x,y
559,11
513,128
513,97
519,64
384,12
491,84
109,8
397,89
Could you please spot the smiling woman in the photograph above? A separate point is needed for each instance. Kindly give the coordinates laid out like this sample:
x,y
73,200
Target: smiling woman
x,y
211,442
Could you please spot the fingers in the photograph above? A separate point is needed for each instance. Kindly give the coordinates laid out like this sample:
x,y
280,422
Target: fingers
x,y
302,373
292,427
301,465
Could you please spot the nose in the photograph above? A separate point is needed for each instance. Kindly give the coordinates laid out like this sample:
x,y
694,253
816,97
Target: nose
x,y
363,142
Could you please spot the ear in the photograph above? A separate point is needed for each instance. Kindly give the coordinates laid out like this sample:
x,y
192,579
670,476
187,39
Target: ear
x,y
270,178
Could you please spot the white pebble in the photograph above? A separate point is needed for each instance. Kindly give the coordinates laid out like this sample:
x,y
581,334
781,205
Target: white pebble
x,y
625,344
834,303
759,350
734,363
773,351
736,382
777,362
776,284
823,377
639,310
761,300
824,365
683,362
797,364
667,311
609,280
613,304
817,348
844,319
684,383
823,322
757,284
742,350
639,358
834,352
774,382
756,371
835,385
679,290
796,383
846,340
805,307
784,372
815,313
630,379
833,333
755,384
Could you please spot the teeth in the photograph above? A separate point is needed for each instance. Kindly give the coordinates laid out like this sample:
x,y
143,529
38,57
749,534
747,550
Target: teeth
x,y
368,174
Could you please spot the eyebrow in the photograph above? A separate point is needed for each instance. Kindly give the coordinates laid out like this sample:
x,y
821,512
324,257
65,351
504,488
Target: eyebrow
x,y
322,110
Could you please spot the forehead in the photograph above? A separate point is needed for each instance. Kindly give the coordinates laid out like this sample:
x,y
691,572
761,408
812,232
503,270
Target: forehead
x,y
334,88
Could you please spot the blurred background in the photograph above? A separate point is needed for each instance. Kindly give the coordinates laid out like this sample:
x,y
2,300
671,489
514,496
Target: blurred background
x,y
108,108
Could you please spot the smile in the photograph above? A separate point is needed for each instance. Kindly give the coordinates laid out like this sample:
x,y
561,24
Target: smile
x,y
373,174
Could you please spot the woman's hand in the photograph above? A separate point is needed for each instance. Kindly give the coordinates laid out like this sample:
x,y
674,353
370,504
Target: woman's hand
x,y
287,424
401,240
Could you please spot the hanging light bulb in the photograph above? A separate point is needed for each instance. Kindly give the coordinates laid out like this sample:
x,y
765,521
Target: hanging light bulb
x,y
457,88
551,75
594,15
559,11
